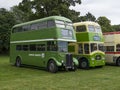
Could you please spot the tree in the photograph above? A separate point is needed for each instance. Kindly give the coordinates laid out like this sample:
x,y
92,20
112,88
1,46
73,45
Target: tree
x,y
87,17
105,24
90,17
36,9
115,27
6,22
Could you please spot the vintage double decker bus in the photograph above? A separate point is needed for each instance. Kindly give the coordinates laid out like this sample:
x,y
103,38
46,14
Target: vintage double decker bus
x,y
112,47
43,43
89,46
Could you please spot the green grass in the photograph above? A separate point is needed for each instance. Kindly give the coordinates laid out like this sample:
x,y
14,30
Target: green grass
x,y
24,78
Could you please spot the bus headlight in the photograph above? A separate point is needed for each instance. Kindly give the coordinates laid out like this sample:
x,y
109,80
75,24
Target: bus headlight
x,y
103,58
62,61
92,59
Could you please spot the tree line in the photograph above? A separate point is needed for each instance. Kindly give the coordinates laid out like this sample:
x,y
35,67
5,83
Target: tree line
x,y
28,10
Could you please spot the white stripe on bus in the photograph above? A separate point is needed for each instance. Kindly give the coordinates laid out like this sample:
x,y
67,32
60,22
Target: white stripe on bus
x,y
37,40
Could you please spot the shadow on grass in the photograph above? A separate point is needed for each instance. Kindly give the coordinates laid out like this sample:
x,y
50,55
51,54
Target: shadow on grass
x,y
60,70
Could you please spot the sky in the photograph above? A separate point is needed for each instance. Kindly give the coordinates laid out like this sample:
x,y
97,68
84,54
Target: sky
x,y
107,8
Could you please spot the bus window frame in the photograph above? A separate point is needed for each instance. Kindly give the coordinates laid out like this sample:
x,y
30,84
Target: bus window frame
x,y
89,28
85,28
88,48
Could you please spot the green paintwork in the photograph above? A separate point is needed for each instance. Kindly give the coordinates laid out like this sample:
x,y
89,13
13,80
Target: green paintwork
x,y
39,58
92,63
88,37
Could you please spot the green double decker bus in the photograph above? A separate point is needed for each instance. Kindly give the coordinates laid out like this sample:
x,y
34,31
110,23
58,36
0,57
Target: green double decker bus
x,y
89,46
43,43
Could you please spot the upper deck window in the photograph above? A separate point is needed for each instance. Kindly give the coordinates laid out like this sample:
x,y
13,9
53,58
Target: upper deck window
x,y
60,24
81,28
34,26
91,28
17,29
98,29
43,25
69,25
66,33
26,27
51,23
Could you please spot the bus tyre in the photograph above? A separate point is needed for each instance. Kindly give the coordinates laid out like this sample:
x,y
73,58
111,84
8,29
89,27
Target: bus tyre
x,y
83,63
52,67
118,62
18,62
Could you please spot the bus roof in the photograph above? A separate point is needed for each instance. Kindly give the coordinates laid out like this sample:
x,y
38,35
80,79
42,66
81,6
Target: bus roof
x,y
86,23
109,33
44,19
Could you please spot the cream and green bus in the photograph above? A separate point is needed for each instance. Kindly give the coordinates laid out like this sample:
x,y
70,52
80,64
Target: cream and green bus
x,y
112,47
43,43
89,46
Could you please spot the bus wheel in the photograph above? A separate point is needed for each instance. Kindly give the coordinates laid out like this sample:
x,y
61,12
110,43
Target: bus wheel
x,y
52,67
118,62
18,62
84,64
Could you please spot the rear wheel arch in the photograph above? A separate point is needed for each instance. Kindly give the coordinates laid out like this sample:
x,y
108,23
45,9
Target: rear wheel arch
x,y
52,66
18,61
118,61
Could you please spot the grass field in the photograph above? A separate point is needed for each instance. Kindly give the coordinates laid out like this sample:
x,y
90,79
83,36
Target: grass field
x,y
24,78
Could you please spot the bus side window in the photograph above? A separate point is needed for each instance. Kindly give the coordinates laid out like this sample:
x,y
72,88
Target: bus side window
x,y
41,47
51,46
86,48
81,28
51,23
26,27
34,26
33,47
42,25
80,49
118,47
17,29
109,48
18,47
25,47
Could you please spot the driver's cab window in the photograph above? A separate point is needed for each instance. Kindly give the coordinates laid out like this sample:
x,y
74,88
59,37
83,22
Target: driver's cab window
x,y
93,47
80,49
62,46
81,28
86,48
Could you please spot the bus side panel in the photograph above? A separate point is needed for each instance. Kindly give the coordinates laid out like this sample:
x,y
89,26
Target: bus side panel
x,y
12,56
109,58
